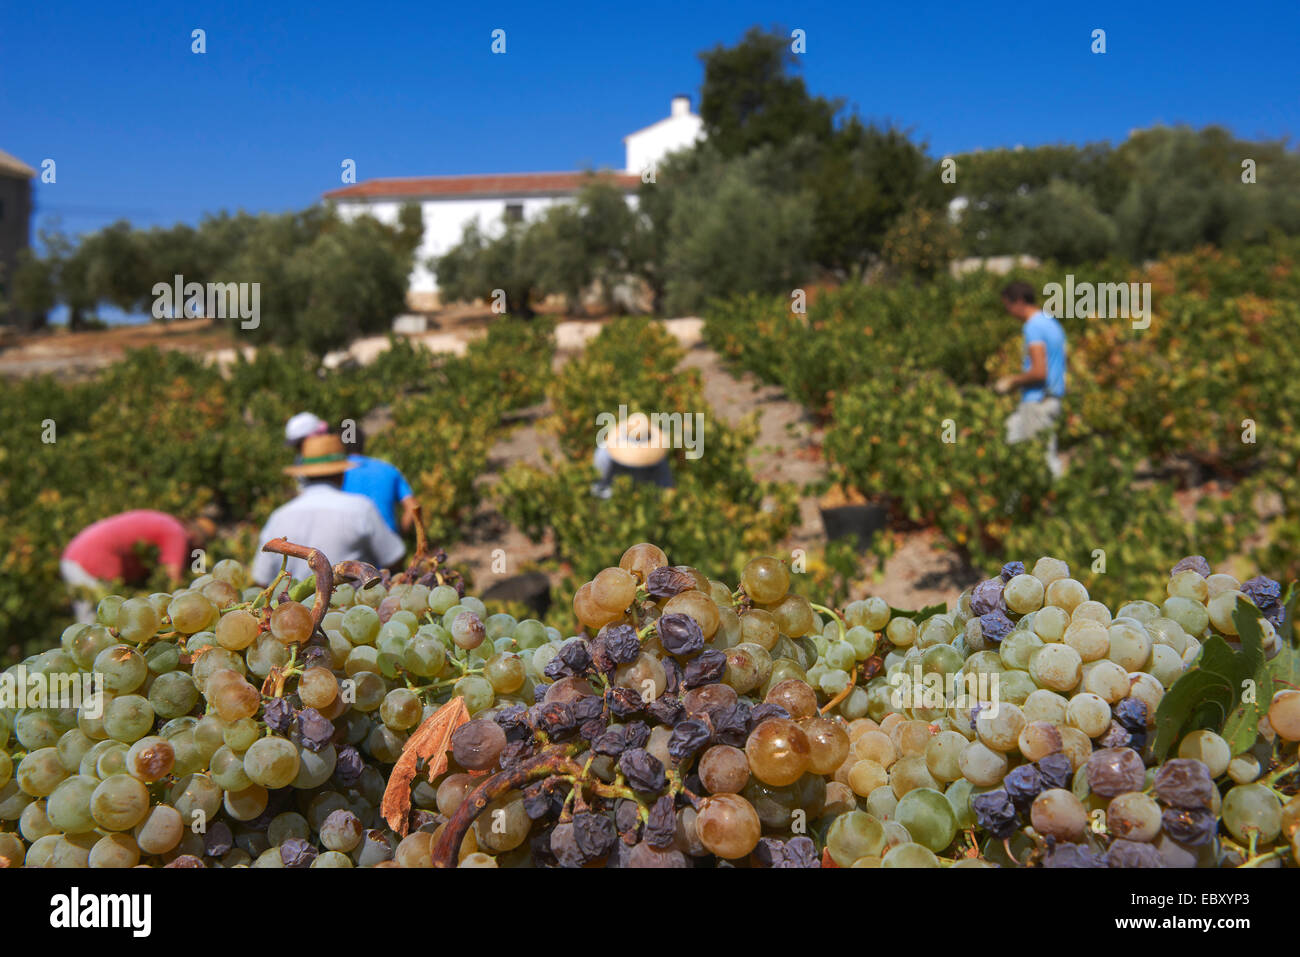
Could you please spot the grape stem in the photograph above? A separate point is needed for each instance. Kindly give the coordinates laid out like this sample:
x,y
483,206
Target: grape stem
x,y
848,689
556,760
838,620
320,565
1262,858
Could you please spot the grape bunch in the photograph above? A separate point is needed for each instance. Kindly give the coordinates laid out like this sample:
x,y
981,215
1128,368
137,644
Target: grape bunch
x,y
1039,752
687,724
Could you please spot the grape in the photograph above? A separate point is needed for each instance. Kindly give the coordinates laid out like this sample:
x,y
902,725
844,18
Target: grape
x,y
478,744
150,759
246,804
505,672
1284,714
119,803
467,630
928,817
272,762
728,825
642,559
1056,667
503,825
1208,748
40,772
910,855
1089,713
1089,638
613,589
68,807
981,765
173,694
137,620
1133,817
854,836
828,742
794,615
1253,808
191,612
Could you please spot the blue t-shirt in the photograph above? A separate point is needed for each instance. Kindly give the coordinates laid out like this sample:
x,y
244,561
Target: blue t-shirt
x,y
380,482
1040,327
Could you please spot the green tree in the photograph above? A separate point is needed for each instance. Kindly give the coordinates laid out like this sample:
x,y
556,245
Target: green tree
x,y
480,264
731,233
750,97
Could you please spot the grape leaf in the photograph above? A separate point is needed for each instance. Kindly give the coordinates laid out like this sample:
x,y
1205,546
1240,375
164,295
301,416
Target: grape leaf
x,y
919,616
429,742
1203,697
1285,665
1242,726
1210,694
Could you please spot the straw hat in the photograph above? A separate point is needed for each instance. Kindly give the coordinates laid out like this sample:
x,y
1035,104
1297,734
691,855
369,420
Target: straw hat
x,y
636,443
321,455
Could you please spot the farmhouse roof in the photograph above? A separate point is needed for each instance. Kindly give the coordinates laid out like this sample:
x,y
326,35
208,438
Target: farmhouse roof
x,y
492,184
13,166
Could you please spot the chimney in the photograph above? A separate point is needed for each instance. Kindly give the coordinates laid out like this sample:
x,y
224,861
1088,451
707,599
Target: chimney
x,y
681,105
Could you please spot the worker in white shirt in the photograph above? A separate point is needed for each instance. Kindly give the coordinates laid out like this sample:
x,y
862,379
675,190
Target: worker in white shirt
x,y
342,526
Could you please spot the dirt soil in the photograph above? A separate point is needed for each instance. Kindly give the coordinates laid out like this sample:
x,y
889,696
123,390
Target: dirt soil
x,y
788,447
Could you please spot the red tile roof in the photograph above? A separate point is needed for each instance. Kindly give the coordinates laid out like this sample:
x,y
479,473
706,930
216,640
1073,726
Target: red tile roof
x,y
492,184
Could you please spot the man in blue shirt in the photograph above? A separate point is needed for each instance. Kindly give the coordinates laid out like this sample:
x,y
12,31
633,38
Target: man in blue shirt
x,y
1042,381
382,483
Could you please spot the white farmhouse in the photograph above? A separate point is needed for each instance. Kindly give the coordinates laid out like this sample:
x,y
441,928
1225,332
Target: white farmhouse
x,y
450,203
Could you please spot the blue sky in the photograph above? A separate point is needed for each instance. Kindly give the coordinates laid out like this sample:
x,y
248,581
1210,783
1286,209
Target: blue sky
x,y
142,128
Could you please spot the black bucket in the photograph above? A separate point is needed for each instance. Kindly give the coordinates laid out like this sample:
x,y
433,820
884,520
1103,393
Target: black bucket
x,y
858,522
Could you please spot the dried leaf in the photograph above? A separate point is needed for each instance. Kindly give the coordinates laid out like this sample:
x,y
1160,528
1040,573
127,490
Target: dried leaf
x,y
429,742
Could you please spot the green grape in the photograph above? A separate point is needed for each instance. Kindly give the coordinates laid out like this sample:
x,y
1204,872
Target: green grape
x,y
852,836
137,620
424,656
530,633
191,612
958,795
112,760
237,629
37,729
263,655
227,770
124,669
40,772
315,767
128,718
72,747
840,656
928,817
173,694
6,768
88,643
68,808
119,802
163,657
863,641
910,855
477,692
368,690
1252,808
505,672
196,793
34,823
361,625
106,611
401,709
